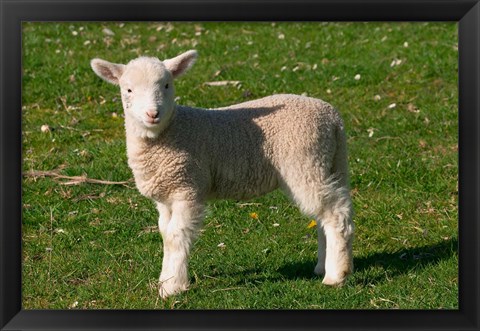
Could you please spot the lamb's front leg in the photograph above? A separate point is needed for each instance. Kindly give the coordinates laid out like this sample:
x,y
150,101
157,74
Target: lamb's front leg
x,y
163,220
178,237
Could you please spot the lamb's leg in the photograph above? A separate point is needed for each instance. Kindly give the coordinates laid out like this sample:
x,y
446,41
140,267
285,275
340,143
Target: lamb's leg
x,y
178,238
338,227
332,208
334,250
322,246
331,205
163,220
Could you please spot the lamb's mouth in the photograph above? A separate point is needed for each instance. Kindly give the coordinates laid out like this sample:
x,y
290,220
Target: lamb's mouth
x,y
151,121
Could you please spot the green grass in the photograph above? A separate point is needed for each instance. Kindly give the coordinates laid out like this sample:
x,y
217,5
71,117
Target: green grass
x,y
96,246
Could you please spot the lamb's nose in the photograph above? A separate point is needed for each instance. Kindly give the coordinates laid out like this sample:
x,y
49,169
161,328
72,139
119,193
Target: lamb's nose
x,y
152,113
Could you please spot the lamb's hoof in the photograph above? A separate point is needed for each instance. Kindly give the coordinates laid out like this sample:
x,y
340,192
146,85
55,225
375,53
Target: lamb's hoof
x,y
169,288
332,281
319,270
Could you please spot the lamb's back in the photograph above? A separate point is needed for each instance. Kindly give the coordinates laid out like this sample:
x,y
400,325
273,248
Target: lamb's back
x,y
292,124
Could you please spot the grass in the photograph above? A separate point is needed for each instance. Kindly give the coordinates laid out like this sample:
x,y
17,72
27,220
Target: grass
x,y
96,246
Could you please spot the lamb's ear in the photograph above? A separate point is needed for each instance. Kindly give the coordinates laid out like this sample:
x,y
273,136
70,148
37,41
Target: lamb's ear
x,y
111,72
178,65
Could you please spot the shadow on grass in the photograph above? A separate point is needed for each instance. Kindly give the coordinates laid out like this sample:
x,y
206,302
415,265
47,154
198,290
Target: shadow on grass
x,y
393,264
371,269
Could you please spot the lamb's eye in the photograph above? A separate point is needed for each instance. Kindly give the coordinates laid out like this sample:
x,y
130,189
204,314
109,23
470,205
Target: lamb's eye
x,y
166,85
129,90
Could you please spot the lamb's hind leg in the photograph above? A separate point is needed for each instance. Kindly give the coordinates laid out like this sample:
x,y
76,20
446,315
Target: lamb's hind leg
x,y
336,227
322,250
178,237
331,205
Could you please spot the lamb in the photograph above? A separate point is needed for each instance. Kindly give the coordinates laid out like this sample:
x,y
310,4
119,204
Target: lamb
x,y
183,156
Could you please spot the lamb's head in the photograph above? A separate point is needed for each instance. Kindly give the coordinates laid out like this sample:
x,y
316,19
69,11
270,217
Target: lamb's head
x,y
147,88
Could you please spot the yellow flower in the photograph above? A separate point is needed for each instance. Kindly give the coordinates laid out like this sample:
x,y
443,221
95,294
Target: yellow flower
x,y
312,224
254,216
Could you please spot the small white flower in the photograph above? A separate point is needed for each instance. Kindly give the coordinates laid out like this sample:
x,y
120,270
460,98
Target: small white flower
x,y
283,68
45,128
75,33
370,132
108,32
377,98
314,67
395,62
221,245
87,42
276,224
357,77
405,44
329,91
392,105
281,36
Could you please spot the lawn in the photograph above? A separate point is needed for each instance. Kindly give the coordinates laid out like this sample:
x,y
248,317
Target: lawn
x,y
90,245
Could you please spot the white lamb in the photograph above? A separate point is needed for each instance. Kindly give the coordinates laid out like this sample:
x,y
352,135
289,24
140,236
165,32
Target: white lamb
x,y
181,157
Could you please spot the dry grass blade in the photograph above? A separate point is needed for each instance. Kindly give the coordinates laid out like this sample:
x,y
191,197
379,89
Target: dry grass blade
x,y
78,130
223,83
88,197
246,204
149,229
74,180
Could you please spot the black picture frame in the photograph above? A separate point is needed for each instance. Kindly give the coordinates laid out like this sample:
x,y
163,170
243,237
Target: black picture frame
x,y
14,12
